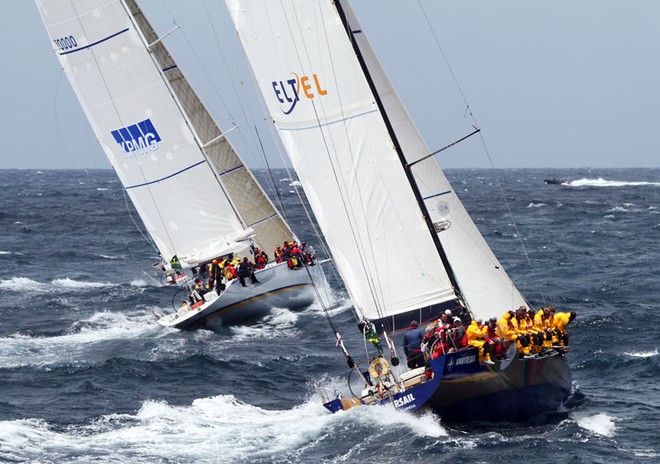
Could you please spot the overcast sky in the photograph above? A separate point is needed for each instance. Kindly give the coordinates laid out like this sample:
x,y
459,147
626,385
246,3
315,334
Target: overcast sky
x,y
551,84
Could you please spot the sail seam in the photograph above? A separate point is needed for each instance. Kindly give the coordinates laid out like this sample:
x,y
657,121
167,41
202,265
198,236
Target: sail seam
x,y
95,43
166,177
316,126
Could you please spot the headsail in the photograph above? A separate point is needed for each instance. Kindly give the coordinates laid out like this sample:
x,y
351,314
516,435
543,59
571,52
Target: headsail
x,y
193,193
317,88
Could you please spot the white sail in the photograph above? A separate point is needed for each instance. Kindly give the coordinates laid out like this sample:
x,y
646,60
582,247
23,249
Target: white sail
x,y
193,193
339,145
484,284
329,120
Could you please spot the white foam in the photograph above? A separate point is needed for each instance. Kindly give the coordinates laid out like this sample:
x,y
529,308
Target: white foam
x,y
600,182
111,257
22,284
295,183
600,424
141,283
211,429
70,283
5,252
27,285
536,205
279,323
78,345
642,354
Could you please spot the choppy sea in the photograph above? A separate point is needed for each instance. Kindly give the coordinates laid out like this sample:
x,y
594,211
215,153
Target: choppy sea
x,y
86,374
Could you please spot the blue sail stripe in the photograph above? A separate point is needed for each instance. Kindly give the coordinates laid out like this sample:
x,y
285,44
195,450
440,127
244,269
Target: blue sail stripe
x,y
166,177
230,170
170,68
263,220
329,123
95,43
437,195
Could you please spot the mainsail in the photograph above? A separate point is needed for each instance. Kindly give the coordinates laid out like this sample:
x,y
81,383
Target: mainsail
x,y
192,191
400,237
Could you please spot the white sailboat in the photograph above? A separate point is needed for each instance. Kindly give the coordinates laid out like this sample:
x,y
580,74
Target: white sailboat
x,y
402,241
197,199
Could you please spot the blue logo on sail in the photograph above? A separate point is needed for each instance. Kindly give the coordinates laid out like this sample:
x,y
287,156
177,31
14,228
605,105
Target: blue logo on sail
x,y
137,138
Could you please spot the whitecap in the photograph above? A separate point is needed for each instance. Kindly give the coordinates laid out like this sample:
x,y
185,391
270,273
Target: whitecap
x,y
5,253
100,189
70,283
22,284
219,427
111,257
642,354
536,205
279,323
600,424
600,182
295,183
140,283
75,346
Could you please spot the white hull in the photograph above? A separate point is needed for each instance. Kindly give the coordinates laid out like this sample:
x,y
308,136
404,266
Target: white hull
x,y
278,287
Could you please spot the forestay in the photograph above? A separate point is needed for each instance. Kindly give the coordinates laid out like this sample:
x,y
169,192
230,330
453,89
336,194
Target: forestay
x,y
335,134
193,193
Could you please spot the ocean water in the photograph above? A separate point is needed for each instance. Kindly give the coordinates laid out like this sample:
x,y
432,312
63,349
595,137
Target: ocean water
x,y
86,374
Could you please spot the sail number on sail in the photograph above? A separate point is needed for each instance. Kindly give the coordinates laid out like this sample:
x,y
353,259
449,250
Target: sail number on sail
x,y
66,43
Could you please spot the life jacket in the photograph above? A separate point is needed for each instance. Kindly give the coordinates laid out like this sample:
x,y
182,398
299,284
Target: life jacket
x,y
261,262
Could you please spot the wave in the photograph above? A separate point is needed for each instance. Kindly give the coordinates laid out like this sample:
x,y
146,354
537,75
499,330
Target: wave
x,y
600,182
536,205
210,428
279,323
70,283
642,354
78,344
25,284
600,424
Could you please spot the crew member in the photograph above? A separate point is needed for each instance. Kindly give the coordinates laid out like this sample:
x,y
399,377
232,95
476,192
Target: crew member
x,y
412,340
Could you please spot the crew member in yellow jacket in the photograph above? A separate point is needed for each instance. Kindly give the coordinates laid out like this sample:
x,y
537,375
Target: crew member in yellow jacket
x,y
476,336
561,321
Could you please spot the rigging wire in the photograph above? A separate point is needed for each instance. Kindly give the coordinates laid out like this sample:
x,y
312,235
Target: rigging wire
x,y
266,208
270,175
468,112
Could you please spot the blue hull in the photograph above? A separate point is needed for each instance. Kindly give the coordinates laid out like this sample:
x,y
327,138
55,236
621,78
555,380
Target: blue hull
x,y
464,390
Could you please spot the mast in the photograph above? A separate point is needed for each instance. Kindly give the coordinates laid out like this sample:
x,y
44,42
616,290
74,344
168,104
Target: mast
x,y
406,167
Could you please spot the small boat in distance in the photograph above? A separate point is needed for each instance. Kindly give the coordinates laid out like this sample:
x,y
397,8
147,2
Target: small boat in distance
x,y
401,239
555,181
196,198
